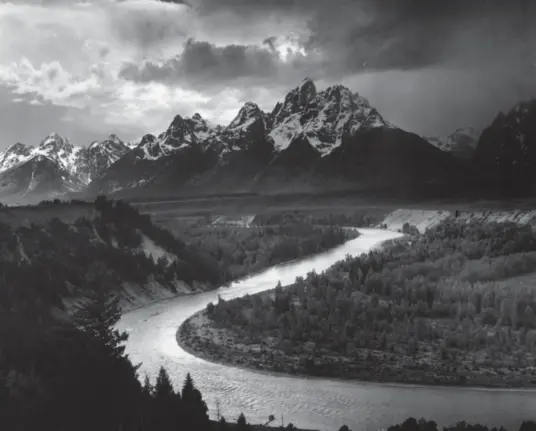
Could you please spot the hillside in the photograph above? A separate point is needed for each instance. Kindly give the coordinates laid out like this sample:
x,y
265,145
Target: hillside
x,y
56,263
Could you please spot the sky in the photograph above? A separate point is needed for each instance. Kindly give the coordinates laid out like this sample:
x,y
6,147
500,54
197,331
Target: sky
x,y
92,68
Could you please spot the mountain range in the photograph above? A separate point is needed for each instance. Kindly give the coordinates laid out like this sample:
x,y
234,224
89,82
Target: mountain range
x,y
312,141
461,143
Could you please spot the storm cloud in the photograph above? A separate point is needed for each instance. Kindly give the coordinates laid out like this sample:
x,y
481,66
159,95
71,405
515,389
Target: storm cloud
x,y
205,63
429,66
398,34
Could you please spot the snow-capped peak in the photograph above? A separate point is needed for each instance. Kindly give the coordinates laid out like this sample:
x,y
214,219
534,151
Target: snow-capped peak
x,y
202,128
55,142
322,117
14,155
247,115
19,148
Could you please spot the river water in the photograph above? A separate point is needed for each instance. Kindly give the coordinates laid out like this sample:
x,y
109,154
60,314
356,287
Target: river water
x,y
320,404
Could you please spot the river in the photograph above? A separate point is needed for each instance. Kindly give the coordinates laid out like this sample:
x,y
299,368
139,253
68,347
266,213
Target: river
x,y
320,404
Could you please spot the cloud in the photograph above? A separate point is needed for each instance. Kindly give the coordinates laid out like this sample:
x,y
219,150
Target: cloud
x,y
205,64
131,65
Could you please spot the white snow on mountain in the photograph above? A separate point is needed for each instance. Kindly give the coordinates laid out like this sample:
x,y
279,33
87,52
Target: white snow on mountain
x,y
81,162
55,165
181,134
324,117
14,155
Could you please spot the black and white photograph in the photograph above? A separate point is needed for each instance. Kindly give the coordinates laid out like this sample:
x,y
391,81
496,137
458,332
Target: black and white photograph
x,y
246,215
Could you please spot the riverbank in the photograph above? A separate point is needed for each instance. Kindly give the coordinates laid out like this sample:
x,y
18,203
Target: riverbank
x,y
200,337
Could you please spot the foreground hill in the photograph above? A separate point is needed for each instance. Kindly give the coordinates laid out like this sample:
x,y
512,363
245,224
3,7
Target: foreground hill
x,y
117,246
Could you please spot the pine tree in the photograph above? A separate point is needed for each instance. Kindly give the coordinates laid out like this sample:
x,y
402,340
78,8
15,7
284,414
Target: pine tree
x,y
147,394
195,410
98,386
163,388
222,424
167,404
241,423
187,387
98,317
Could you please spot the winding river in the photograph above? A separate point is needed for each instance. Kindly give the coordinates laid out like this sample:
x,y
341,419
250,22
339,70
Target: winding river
x,y
320,404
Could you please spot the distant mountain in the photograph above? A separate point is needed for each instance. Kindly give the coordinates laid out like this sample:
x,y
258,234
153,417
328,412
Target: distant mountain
x,y
328,140
462,143
506,151
312,140
37,178
55,166
183,141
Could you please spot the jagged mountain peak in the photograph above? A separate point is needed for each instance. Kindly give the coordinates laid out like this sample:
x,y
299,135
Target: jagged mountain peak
x,y
19,148
148,138
323,118
57,142
296,100
177,121
114,138
248,113
306,91
506,150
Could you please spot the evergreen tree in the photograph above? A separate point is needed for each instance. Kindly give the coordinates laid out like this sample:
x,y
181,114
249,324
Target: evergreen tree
x,y
222,425
167,404
241,423
163,388
96,386
194,408
98,317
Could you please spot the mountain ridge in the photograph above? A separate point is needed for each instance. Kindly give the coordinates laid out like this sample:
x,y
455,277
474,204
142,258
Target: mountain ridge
x,y
70,167
312,140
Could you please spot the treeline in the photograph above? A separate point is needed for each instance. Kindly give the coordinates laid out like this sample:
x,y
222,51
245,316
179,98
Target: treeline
x,y
409,311
73,374
411,424
357,218
241,251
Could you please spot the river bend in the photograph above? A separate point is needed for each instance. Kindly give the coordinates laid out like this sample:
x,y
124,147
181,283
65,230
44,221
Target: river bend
x,y
322,404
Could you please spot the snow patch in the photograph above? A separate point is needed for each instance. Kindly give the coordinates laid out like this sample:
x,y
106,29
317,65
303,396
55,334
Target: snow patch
x,y
244,221
151,249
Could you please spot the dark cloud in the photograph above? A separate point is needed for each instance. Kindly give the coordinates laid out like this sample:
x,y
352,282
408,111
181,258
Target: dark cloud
x,y
400,34
206,64
354,35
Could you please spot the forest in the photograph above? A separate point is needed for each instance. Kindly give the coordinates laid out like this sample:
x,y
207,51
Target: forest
x,y
43,264
240,251
70,372
56,368
444,307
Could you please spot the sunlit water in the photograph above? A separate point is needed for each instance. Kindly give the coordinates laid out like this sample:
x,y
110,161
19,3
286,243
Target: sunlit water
x,y
321,404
